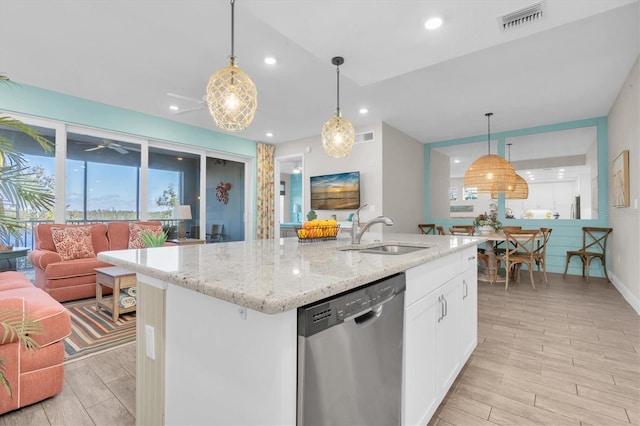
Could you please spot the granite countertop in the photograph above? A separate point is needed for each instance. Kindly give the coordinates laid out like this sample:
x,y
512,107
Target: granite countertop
x,y
278,275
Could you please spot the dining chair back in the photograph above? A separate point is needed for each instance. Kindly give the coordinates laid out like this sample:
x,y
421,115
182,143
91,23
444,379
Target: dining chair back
x,y
440,230
518,252
594,245
427,228
540,253
216,234
498,246
462,230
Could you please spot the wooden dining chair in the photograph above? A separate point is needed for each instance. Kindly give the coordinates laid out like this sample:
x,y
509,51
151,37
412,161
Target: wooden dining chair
x,y
594,245
540,253
427,228
462,230
440,230
497,247
519,251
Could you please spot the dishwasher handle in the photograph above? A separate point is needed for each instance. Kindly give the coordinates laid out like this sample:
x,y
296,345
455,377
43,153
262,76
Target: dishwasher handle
x,y
369,316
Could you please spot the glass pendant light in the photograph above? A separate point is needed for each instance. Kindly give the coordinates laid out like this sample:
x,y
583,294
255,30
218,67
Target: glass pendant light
x,y
490,173
338,135
520,189
232,97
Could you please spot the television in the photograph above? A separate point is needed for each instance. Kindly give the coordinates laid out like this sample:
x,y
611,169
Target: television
x,y
339,191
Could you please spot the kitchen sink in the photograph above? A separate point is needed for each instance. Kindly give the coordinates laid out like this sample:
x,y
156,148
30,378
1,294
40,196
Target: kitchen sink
x,y
386,249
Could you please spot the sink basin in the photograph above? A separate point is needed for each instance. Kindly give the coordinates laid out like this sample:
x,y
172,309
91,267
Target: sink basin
x,y
386,249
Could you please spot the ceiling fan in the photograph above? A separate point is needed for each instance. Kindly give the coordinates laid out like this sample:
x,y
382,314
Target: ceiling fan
x,y
201,103
108,144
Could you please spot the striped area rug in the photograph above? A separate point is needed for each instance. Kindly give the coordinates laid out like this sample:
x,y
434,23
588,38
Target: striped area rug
x,y
94,331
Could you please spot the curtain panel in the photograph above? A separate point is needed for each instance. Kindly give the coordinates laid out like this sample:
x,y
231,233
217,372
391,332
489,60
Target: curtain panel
x,y
265,208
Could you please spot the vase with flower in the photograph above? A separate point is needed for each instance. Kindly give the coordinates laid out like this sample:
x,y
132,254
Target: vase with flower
x,y
487,224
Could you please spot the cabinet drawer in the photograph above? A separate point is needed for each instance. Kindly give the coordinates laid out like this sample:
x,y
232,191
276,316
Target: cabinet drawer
x,y
425,278
469,258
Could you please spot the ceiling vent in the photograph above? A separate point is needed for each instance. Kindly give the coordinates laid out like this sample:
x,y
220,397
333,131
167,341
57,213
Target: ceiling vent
x,y
523,16
364,137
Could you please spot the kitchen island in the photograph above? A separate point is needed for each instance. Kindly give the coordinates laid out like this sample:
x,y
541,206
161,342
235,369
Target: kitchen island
x,y
217,323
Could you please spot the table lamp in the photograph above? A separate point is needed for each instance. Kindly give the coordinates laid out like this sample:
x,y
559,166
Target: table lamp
x,y
182,213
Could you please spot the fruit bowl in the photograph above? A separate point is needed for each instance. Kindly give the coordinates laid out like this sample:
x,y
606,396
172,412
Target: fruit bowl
x,y
317,230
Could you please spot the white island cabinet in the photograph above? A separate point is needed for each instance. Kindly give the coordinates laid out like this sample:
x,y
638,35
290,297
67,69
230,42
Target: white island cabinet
x,y
217,323
440,331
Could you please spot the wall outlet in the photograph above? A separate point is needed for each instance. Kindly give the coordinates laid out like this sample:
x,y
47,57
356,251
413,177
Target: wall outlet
x,y
150,342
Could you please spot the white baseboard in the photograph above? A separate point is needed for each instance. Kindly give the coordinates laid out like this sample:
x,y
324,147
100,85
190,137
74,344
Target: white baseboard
x,y
630,298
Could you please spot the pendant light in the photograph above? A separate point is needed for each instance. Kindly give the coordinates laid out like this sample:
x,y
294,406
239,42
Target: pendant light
x,y
490,173
232,97
520,190
338,135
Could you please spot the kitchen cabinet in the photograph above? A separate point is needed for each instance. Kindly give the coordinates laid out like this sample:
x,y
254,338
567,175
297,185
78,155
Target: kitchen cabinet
x,y
440,331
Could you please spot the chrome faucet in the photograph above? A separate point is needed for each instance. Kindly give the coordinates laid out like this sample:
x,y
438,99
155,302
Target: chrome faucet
x,y
356,234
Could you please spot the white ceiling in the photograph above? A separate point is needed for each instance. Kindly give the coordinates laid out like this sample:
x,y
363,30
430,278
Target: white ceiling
x,y
432,85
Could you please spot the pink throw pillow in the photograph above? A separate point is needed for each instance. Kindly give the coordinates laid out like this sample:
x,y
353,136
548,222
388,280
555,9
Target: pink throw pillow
x,y
135,234
73,242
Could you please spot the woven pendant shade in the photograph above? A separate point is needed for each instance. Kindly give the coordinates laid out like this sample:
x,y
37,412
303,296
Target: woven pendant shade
x,y
338,137
490,173
232,98
519,192
337,134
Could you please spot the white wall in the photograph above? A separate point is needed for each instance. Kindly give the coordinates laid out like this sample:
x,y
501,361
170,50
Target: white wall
x,y
624,133
402,180
365,158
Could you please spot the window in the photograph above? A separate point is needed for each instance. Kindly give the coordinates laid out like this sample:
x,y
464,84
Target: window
x,y
103,178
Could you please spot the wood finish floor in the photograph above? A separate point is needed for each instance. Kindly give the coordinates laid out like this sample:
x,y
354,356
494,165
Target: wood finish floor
x,y
566,354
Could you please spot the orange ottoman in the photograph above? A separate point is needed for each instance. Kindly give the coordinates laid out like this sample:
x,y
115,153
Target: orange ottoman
x,y
32,375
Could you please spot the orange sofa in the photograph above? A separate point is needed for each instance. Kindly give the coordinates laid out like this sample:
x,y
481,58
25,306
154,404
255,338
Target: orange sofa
x,y
32,375
69,279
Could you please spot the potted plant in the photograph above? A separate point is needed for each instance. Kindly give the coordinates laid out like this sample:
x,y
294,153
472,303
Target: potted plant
x,y
153,240
487,224
16,326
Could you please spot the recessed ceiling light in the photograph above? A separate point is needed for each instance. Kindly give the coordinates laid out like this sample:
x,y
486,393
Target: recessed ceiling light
x,y
270,60
363,111
174,107
433,23
456,161
269,134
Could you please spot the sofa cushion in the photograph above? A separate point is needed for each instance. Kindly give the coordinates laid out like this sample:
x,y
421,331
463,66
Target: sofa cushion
x,y
118,233
135,233
74,268
44,239
40,307
73,243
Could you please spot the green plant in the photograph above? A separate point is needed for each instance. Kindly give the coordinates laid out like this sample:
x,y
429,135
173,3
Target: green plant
x,y
18,185
16,325
153,240
311,215
487,220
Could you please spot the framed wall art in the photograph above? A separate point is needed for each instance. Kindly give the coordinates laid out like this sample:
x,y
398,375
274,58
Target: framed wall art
x,y
620,179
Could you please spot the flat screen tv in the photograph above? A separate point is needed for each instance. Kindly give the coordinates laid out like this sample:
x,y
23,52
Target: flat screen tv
x,y
340,191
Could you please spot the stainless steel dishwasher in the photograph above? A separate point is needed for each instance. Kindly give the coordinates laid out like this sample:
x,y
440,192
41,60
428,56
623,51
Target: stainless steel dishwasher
x,y
350,357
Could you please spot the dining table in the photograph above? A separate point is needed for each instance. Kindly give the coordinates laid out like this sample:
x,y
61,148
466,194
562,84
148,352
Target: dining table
x,y
492,238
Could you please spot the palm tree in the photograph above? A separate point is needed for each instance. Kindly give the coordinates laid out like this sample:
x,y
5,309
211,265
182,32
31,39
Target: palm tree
x,y
18,185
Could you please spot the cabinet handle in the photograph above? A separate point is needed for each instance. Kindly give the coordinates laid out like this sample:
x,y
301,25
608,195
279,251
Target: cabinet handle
x,y
466,289
446,307
471,257
441,308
